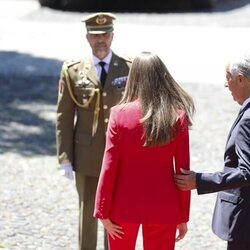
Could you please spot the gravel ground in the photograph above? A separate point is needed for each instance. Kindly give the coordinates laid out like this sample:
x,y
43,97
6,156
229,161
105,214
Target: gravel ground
x,y
39,207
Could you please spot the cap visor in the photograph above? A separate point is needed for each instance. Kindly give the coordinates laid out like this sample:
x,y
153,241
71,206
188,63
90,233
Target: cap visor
x,y
100,31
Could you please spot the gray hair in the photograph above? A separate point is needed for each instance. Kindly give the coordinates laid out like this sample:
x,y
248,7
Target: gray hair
x,y
241,66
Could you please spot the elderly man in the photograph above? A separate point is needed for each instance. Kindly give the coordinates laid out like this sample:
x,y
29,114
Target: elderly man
x,y
88,88
231,220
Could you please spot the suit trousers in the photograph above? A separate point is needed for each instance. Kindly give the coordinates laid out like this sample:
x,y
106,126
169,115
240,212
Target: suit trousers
x,y
231,245
155,236
86,188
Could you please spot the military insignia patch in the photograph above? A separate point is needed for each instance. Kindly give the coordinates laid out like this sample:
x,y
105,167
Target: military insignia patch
x,y
116,63
101,19
120,82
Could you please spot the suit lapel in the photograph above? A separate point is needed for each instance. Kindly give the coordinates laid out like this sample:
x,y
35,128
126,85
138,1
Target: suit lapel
x,y
112,73
89,70
234,124
241,112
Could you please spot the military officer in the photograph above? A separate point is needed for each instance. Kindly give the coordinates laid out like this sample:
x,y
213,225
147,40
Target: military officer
x,y
87,90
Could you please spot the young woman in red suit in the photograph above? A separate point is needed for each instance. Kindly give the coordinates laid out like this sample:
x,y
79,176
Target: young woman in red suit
x,y
147,142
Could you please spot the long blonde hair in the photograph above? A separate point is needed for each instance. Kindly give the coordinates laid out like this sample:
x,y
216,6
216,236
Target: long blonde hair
x,y
150,82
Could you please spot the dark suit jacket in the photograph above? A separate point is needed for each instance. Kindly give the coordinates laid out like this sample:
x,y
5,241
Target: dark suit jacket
x,y
231,220
136,184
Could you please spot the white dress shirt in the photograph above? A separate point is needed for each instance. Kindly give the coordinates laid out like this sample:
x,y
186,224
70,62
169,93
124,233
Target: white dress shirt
x,y
107,60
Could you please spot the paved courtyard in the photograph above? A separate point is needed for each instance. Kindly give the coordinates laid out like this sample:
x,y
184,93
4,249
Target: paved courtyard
x,y
38,207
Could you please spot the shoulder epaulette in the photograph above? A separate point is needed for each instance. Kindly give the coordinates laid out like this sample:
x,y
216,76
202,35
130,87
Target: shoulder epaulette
x,y
127,58
70,63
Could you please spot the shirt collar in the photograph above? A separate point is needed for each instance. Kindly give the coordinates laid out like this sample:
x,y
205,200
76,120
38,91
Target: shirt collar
x,y
107,59
245,103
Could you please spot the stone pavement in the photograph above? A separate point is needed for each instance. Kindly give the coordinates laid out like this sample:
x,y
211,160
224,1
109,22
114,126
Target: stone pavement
x,y
38,207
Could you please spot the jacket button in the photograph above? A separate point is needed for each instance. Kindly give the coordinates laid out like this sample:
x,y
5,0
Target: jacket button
x,y
105,106
104,93
106,120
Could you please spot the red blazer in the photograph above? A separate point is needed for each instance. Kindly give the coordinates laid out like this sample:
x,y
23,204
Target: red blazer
x,y
136,183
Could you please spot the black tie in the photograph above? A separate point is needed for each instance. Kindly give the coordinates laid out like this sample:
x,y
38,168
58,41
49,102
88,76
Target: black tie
x,y
103,73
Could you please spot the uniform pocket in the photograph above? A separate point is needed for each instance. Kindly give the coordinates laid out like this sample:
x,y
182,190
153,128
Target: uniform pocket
x,y
227,197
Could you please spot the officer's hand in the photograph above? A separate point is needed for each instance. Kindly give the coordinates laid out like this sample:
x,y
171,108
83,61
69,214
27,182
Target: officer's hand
x,y
67,170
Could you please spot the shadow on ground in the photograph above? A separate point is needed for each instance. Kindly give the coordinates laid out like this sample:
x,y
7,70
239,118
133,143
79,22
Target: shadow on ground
x,y
27,103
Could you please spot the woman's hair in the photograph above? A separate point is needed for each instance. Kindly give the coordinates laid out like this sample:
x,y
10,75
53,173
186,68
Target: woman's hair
x,y
160,96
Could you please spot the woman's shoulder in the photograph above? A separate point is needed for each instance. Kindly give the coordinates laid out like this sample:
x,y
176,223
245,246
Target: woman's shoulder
x,y
181,113
126,107
127,113
182,117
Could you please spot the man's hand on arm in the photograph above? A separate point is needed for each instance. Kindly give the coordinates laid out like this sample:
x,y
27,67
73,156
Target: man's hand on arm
x,y
67,170
186,180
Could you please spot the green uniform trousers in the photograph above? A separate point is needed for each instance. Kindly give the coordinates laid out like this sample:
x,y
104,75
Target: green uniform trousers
x,y
86,188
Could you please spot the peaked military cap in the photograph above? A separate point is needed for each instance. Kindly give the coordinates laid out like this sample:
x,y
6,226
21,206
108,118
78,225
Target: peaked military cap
x,y
99,23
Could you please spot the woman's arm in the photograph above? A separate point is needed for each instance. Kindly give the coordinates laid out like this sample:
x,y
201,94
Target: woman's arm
x,y
182,160
106,184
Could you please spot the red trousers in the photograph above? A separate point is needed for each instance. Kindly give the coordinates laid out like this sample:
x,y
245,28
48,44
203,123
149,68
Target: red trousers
x,y
155,237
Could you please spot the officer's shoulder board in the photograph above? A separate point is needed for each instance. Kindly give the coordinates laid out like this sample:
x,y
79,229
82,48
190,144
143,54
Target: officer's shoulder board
x,y
71,63
128,59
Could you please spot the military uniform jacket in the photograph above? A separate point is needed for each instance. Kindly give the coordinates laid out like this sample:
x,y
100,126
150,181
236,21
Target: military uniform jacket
x,y
231,220
80,130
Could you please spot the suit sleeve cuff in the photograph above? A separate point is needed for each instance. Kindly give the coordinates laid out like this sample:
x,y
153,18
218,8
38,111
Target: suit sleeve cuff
x,y
199,183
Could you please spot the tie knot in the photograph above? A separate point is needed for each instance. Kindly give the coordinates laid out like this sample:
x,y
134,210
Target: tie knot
x,y
102,64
